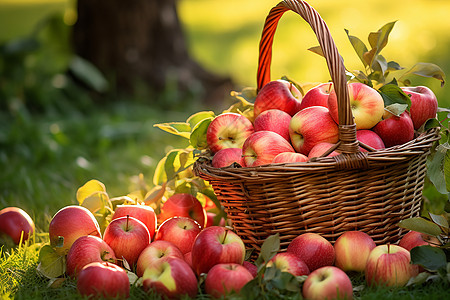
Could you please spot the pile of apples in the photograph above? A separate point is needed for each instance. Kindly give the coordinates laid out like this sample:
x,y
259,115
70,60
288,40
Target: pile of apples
x,y
290,127
184,254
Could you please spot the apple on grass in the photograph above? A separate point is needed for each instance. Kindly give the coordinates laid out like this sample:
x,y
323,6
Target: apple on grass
x,y
273,120
261,147
370,138
311,126
313,249
414,238
180,231
327,282
424,104
16,224
215,245
156,250
70,223
226,157
395,130
143,213
85,250
352,248
366,104
289,262
389,265
103,280
317,96
278,94
228,130
170,277
128,237
289,157
183,205
223,279
319,149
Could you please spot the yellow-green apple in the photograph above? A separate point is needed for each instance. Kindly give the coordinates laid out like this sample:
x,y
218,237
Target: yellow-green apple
x,y
352,249
251,267
279,94
16,224
228,130
317,96
227,156
261,147
226,278
183,205
170,277
313,249
414,238
180,231
143,213
327,283
394,130
156,250
87,249
289,157
289,262
320,149
215,245
366,104
370,138
274,120
103,280
423,104
311,126
128,237
70,223
389,265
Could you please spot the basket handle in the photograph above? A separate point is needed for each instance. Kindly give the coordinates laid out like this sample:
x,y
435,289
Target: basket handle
x,y
347,127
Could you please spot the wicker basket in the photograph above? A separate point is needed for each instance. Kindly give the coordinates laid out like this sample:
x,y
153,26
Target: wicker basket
x,y
367,191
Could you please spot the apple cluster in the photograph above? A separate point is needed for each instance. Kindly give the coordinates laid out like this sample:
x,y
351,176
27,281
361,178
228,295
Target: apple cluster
x,y
290,127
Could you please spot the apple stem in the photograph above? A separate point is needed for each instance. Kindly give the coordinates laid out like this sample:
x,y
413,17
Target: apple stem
x,y
225,236
389,247
126,227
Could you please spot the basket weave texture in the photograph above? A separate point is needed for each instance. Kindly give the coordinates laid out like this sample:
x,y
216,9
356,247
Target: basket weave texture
x,y
368,191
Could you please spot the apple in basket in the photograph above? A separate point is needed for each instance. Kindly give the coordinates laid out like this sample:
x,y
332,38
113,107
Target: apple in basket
x,y
273,120
156,250
352,249
279,94
327,282
311,126
317,96
423,104
183,205
226,157
289,157
319,149
370,138
223,279
228,130
15,223
366,104
261,147
395,130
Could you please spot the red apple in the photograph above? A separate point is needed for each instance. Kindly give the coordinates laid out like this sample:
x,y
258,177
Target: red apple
x,y
289,157
251,267
181,231
370,138
352,249
227,156
143,213
313,249
103,280
317,96
85,250
70,223
188,258
170,277
366,104
389,265
311,126
278,94
395,130
289,262
225,278
228,130
413,239
128,237
215,245
423,104
327,283
274,120
156,250
15,223
183,205
261,147
320,149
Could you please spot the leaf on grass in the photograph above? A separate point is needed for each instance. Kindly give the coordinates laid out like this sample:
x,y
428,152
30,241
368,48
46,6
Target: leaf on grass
x,y
421,225
97,202
88,74
88,189
51,264
419,279
182,129
431,258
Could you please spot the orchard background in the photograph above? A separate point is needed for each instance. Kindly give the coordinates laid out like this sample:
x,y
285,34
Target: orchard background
x,y
48,149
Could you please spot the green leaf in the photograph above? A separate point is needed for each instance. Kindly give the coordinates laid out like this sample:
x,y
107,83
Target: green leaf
x,y
431,123
440,220
421,225
378,40
394,66
270,247
200,116
431,258
182,129
392,94
428,70
51,264
198,135
396,109
88,74
359,47
159,176
380,64
317,50
438,168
